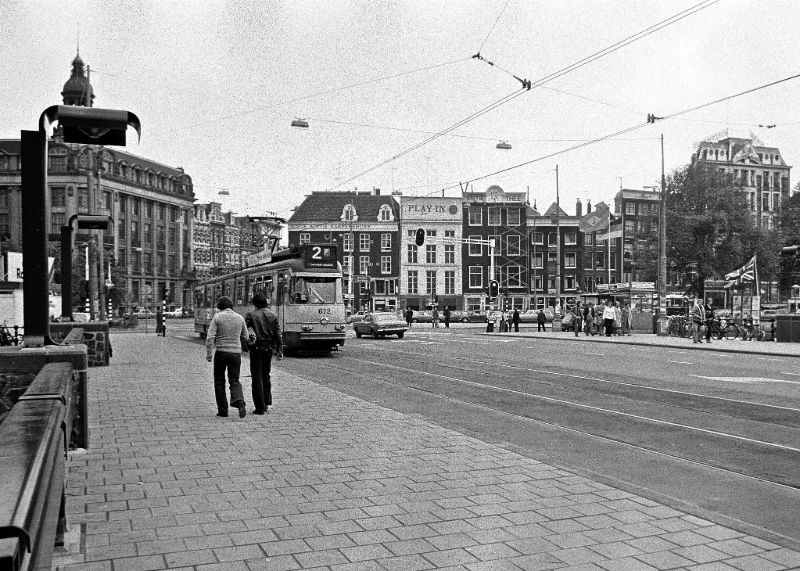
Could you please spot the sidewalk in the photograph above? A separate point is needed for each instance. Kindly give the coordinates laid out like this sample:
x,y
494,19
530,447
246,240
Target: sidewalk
x,y
648,339
330,482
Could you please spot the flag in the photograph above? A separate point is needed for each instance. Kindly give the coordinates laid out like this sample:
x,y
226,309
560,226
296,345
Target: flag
x,y
747,273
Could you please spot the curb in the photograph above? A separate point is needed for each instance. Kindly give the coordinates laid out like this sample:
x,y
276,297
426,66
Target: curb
x,y
641,344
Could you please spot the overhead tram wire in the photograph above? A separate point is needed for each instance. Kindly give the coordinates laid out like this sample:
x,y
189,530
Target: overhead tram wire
x,y
486,39
629,129
527,85
320,93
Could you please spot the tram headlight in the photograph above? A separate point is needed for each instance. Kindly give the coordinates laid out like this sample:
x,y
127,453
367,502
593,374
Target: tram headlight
x,y
339,328
324,320
307,328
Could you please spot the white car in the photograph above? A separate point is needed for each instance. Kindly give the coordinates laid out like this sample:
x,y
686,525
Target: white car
x,y
177,312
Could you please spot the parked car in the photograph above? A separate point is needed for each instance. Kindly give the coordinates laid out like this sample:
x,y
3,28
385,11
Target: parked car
x,y
530,316
380,324
423,317
144,313
468,317
355,317
176,312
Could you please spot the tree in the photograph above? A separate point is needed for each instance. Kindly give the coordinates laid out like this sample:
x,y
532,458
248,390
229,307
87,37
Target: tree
x,y
710,230
789,226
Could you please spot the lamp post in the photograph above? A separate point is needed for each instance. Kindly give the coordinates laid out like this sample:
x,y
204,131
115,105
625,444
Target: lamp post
x,y
85,221
85,125
663,322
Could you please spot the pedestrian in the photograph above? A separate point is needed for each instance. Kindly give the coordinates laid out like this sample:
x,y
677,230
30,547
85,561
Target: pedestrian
x,y
515,320
697,316
447,317
264,334
709,318
161,325
503,322
588,319
626,320
599,308
617,319
409,316
608,318
540,321
226,334
435,317
577,318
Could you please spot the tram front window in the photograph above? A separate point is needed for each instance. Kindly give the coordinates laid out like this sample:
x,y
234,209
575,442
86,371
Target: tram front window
x,y
314,290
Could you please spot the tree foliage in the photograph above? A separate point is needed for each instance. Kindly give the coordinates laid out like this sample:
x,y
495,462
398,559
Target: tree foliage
x,y
710,230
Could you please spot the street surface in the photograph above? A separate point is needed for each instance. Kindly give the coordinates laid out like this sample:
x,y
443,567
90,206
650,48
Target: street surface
x,y
711,432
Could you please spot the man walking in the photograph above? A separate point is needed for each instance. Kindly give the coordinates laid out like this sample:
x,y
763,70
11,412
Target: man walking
x,y
709,318
409,316
515,320
577,317
226,334
265,338
697,316
447,316
540,320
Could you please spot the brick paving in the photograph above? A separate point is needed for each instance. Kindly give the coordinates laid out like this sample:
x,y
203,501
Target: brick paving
x,y
326,481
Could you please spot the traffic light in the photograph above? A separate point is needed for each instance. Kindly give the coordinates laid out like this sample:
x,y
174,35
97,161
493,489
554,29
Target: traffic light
x,y
420,237
494,289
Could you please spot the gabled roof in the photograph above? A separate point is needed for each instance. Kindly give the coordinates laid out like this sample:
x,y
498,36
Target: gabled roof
x,y
555,210
328,206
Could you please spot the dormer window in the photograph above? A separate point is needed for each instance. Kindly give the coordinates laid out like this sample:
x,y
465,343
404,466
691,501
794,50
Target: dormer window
x,y
349,213
385,214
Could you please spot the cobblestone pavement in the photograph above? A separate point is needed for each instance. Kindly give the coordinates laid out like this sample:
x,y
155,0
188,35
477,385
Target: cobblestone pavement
x,y
327,481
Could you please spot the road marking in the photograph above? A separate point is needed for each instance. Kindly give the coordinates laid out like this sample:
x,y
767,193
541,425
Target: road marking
x,y
598,354
681,362
747,379
785,373
585,406
676,351
598,380
770,358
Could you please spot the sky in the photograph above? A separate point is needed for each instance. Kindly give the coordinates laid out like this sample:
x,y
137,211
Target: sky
x,y
216,85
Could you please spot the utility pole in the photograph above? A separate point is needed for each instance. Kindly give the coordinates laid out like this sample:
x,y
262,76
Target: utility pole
x,y
662,251
558,247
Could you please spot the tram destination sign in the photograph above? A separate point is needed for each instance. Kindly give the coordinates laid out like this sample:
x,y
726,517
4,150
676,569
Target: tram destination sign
x,y
320,256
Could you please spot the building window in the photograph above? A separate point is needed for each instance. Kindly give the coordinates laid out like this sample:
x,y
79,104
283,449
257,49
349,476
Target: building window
x,y
57,196
449,283
570,238
411,251
494,216
513,245
537,283
430,254
386,241
347,264
498,246
537,238
347,242
430,282
588,238
475,249
569,282
513,217
386,264
305,238
449,233
630,208
537,260
57,220
476,276
569,260
349,213
449,254
475,217
630,227
83,198
363,265
551,256
514,276
413,283
363,242
385,214
551,239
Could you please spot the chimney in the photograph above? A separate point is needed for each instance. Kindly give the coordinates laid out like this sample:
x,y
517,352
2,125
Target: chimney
x,y
578,208
376,190
588,206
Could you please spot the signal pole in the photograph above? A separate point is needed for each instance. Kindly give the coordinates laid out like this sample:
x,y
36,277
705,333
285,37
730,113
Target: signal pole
x,y
558,248
662,251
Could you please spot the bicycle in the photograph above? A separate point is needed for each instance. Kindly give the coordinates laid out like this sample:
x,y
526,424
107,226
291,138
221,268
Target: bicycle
x,y
679,326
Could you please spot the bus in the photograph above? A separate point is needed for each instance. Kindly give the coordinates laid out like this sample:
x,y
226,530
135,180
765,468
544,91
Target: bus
x,y
303,286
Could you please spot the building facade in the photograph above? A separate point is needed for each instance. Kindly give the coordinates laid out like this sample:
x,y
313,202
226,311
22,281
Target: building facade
x,y
217,241
431,274
638,210
146,254
365,226
760,170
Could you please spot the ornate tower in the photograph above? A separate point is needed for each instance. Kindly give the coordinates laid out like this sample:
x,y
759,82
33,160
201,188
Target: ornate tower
x,y
77,89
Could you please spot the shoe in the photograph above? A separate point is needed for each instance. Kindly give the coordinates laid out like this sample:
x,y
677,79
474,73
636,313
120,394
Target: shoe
x,y
242,410
222,414
258,412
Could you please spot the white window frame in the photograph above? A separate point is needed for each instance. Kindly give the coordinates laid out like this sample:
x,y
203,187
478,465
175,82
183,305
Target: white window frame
x,y
412,282
494,216
475,249
513,273
430,253
513,245
475,277
364,241
479,216
305,238
386,241
570,260
570,238
347,241
449,253
363,265
412,253
449,282
386,264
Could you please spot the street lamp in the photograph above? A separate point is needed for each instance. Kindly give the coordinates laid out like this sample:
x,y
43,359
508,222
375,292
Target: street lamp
x,y
84,125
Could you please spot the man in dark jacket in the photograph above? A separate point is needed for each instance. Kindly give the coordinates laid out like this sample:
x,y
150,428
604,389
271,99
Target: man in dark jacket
x,y
515,320
540,321
265,337
709,318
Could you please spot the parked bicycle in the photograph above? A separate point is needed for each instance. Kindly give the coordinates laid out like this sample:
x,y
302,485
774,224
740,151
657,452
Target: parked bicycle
x,y
679,326
8,337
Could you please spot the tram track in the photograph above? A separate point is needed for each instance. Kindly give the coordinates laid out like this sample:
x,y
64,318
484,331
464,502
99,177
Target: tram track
x,y
756,458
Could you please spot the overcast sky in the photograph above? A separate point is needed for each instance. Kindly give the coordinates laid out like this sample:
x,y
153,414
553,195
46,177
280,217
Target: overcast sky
x,y
217,84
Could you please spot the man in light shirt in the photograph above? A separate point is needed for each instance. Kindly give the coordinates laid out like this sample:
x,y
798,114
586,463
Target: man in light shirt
x,y
226,334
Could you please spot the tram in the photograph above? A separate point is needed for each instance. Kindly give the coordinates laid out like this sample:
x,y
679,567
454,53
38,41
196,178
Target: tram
x,y
303,286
